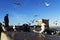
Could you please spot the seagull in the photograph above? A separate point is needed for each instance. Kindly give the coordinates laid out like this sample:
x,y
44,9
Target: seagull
x,y
17,3
35,15
41,31
32,20
46,4
14,27
29,23
42,28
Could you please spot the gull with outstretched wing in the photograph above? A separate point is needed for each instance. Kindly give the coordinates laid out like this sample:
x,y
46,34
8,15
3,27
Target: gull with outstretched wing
x,y
46,4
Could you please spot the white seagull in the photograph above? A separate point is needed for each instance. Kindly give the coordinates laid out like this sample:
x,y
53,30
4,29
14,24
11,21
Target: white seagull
x,y
14,27
46,4
42,28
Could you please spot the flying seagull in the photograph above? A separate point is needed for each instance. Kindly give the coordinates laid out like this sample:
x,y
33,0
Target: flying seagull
x,y
32,20
35,15
46,4
17,3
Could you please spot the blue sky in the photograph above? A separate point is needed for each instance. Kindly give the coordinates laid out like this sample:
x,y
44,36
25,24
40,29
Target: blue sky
x,y
25,12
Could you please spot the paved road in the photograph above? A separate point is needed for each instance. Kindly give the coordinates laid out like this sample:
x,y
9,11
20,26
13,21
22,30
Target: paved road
x,y
29,36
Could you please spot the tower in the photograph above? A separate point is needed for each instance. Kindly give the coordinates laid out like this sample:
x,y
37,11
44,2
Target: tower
x,y
46,21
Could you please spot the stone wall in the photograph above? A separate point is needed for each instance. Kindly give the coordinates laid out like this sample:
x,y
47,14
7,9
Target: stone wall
x,y
27,36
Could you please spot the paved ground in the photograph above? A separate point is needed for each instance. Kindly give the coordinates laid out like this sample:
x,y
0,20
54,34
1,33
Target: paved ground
x,y
27,36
